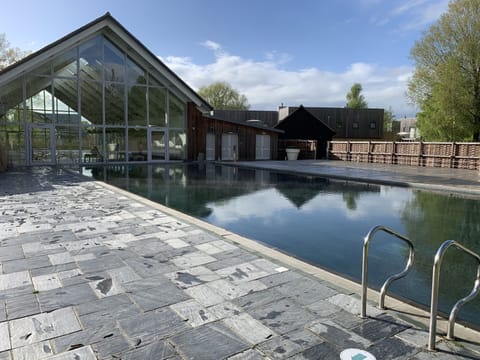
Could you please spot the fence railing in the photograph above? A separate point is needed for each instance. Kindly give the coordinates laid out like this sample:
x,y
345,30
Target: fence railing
x,y
459,155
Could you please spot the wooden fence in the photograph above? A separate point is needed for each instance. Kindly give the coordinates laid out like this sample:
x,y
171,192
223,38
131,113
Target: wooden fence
x,y
431,154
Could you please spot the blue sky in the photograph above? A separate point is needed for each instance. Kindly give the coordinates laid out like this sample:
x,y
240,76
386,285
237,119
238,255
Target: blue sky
x,y
293,52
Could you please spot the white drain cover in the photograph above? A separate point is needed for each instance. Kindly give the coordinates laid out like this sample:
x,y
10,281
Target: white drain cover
x,y
356,354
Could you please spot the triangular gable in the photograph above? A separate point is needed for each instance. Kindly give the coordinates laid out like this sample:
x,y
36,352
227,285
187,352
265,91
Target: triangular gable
x,y
301,116
116,33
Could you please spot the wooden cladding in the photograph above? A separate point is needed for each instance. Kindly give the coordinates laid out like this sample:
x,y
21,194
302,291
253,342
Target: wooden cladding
x,y
430,154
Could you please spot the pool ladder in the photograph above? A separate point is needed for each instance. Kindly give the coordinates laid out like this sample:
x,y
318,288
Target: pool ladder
x,y
435,281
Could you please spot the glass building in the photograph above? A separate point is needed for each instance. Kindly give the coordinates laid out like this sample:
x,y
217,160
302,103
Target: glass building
x,y
95,96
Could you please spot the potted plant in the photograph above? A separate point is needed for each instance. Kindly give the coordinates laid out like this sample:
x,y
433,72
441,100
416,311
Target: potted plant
x,y
292,153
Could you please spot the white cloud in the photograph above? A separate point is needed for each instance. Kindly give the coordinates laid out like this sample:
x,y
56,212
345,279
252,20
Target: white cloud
x,y
419,13
211,45
267,83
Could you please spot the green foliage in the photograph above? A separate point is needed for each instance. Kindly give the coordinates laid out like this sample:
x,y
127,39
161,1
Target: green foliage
x,y
9,55
446,81
388,118
355,100
222,96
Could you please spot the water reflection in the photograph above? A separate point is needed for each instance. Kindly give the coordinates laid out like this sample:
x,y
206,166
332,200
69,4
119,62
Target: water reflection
x,y
323,221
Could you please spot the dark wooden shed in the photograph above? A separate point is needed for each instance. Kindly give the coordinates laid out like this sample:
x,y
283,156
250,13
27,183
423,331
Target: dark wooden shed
x,y
302,125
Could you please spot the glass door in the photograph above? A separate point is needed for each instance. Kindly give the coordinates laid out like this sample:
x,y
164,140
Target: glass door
x,y
42,144
157,148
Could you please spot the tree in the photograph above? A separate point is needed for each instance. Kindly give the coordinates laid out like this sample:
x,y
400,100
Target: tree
x,y
355,99
446,81
222,96
9,55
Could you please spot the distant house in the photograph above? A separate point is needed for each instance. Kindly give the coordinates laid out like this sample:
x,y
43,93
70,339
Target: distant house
x,y
302,124
408,129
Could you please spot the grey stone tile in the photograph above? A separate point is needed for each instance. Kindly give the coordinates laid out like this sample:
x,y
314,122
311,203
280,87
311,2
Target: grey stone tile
x,y
193,313
44,326
381,327
225,310
13,252
38,350
26,264
150,298
14,280
211,341
53,269
87,336
106,287
66,296
157,350
204,295
282,316
191,277
347,320
108,304
46,282
281,347
323,308
248,328
281,278
338,336
83,353
61,258
4,337
352,303
147,267
102,263
112,345
393,348
231,291
324,351
306,291
192,259
259,298
23,305
110,315
123,275
3,310
153,325
215,247
248,355
242,273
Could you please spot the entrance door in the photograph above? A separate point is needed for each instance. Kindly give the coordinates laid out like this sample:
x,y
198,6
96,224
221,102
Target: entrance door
x,y
229,147
262,147
42,144
210,148
157,148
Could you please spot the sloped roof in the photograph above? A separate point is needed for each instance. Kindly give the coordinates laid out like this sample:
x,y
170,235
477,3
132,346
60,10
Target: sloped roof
x,y
116,33
302,115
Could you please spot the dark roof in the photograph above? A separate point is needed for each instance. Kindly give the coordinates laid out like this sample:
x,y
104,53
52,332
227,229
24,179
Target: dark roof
x,y
302,114
268,117
247,124
105,18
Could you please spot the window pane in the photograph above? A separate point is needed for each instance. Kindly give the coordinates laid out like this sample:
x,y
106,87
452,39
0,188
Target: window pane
x,y
135,74
66,102
66,64
90,59
114,63
177,145
176,113
11,103
91,102
114,104
67,144
137,106
39,100
92,144
157,101
115,147
137,144
12,138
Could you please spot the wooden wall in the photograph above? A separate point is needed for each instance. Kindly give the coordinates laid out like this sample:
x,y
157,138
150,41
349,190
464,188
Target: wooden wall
x,y
198,126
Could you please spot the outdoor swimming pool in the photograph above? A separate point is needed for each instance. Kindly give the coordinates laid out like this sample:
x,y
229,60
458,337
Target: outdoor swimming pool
x,y
323,221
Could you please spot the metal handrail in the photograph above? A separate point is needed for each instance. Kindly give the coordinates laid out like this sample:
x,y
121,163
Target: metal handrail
x,y
435,286
383,291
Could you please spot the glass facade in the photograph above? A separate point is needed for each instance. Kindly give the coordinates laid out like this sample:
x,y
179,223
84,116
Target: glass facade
x,y
93,103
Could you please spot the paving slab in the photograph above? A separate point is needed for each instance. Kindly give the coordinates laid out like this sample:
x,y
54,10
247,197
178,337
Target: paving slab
x,y
92,272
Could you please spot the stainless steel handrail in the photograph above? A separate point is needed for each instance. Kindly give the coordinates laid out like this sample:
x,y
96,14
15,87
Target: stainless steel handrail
x,y
435,286
386,284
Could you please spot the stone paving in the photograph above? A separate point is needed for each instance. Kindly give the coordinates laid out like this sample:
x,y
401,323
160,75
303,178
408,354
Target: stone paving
x,y
88,272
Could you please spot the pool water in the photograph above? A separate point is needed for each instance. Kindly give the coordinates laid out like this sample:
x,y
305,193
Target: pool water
x,y
323,221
